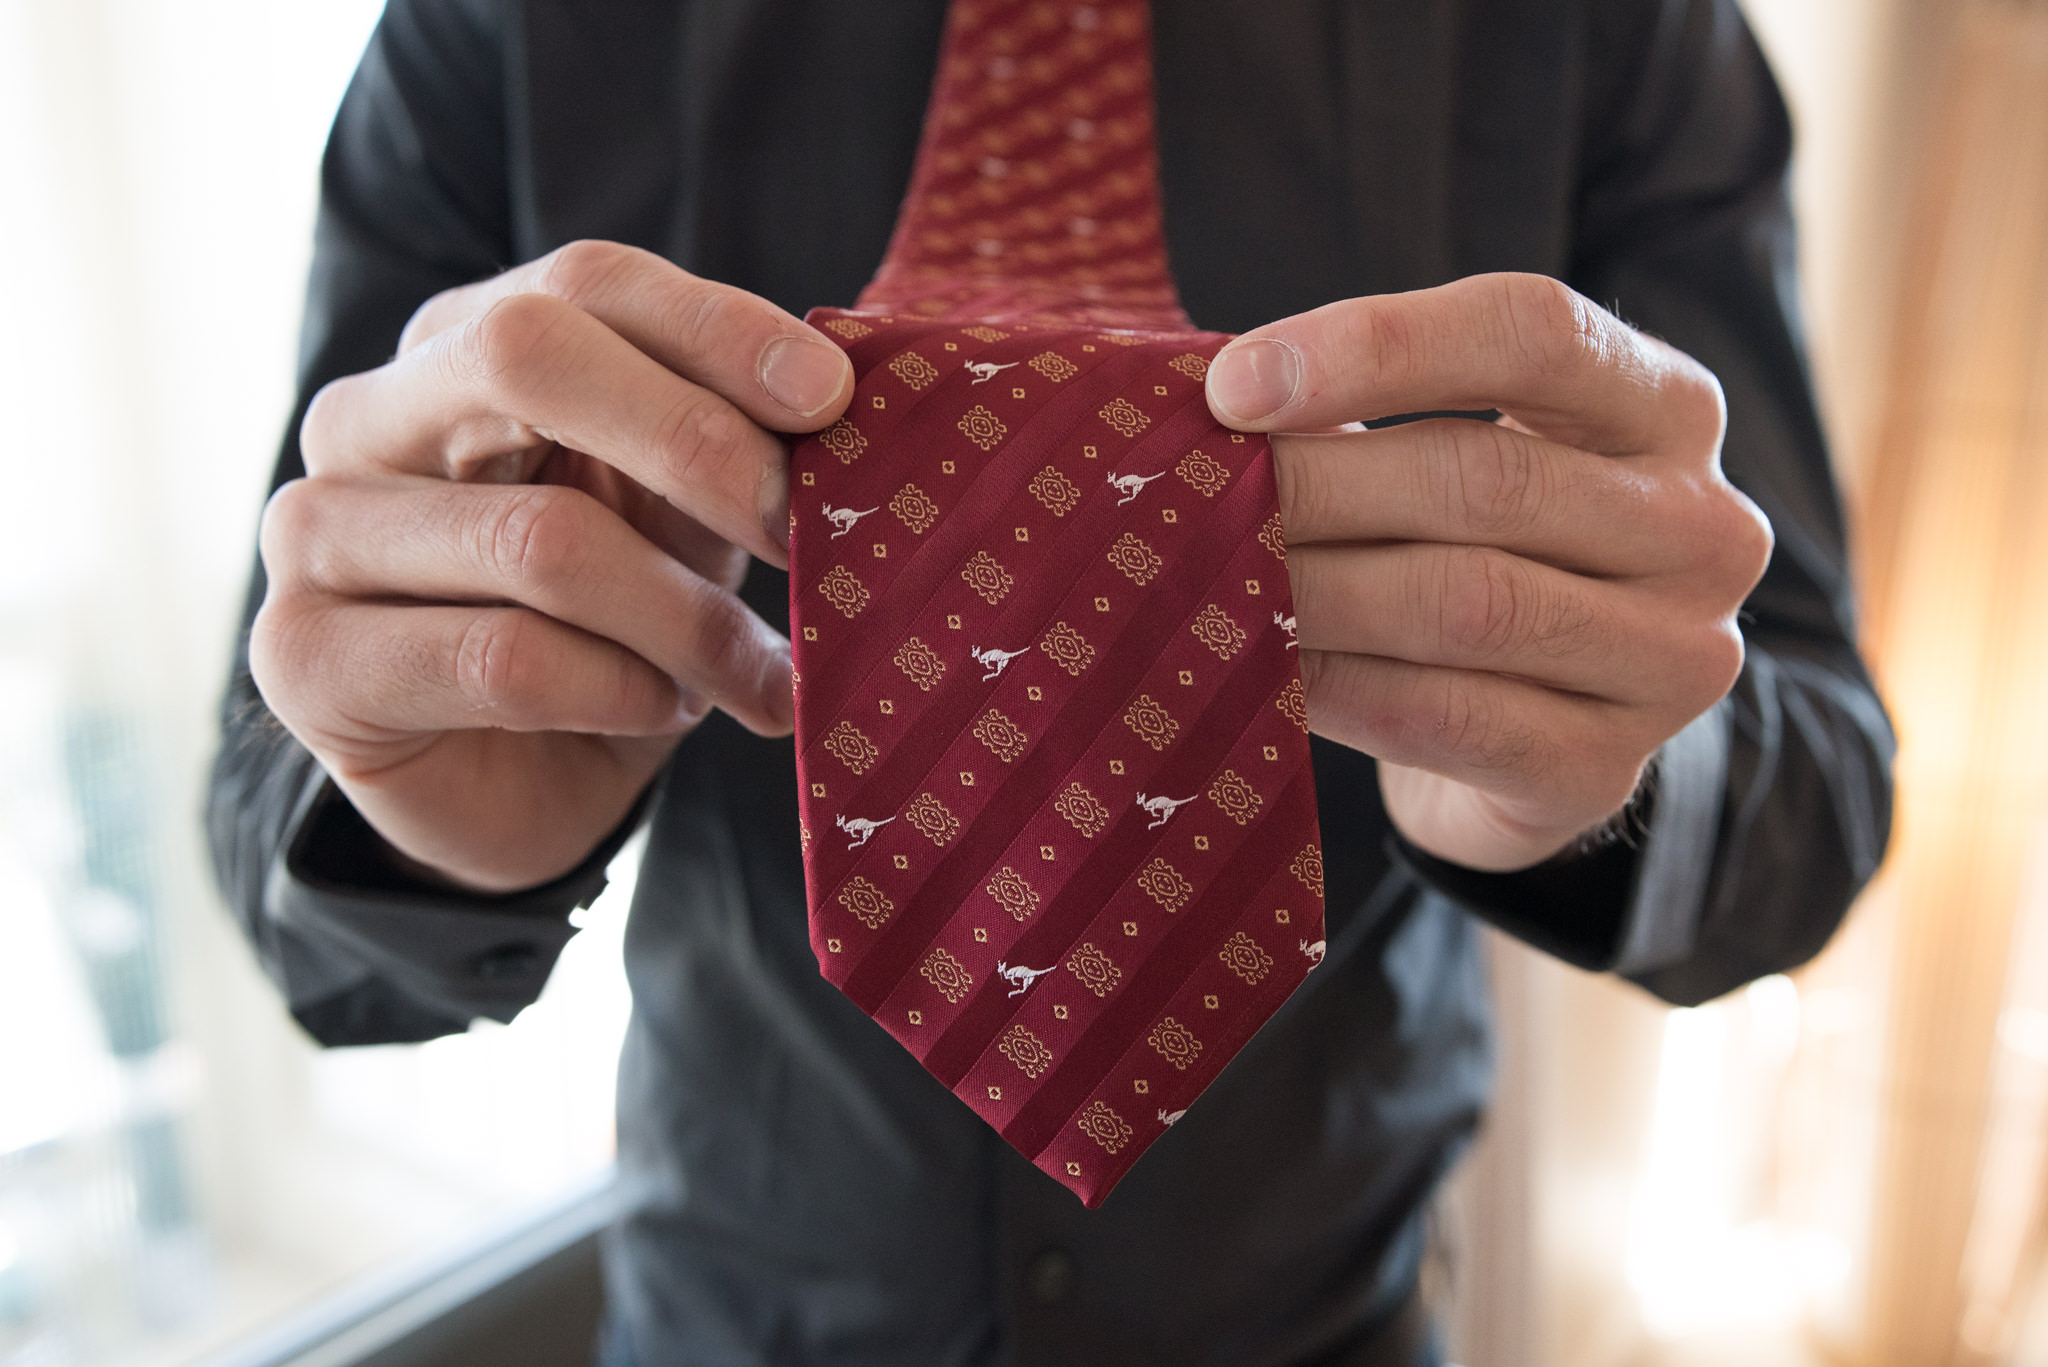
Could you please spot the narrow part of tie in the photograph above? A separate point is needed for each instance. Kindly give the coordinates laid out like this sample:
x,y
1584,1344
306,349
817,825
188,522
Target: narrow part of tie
x,y
1059,820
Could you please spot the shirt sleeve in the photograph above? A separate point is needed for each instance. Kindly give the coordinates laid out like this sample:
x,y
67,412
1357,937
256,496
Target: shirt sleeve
x,y
1768,814
413,201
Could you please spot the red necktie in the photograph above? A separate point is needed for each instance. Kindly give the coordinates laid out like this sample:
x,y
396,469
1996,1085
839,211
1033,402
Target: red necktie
x,y
1059,823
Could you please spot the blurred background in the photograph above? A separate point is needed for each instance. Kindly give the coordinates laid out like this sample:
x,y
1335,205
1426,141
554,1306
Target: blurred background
x,y
1841,1167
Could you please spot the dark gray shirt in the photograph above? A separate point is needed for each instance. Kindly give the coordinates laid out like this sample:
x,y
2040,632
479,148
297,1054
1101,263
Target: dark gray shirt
x,y
803,1191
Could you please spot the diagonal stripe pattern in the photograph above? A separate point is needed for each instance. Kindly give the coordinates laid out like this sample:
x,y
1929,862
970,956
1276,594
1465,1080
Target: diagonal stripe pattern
x,y
1059,820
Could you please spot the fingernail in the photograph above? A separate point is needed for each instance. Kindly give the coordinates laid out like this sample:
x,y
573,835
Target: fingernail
x,y
1255,379
801,373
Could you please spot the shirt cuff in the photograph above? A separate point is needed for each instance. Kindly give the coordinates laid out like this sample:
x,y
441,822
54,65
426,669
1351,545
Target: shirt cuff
x,y
462,954
1663,918
1630,904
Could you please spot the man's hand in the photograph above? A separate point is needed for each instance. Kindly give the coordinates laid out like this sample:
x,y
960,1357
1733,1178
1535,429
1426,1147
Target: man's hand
x,y
506,586
1511,617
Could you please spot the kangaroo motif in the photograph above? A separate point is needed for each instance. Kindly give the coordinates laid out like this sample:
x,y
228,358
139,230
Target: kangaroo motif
x,y
984,371
1168,1117
1161,808
1286,624
1020,978
1314,951
844,518
860,828
993,660
1129,485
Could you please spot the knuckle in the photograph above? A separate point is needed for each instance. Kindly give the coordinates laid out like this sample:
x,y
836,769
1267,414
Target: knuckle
x,y
489,662
1500,480
511,343
723,645
426,319
1481,595
319,430
578,270
287,526
704,316
535,536
1549,323
699,434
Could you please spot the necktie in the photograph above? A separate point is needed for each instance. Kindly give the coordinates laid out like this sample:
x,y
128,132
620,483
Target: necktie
x,y
1059,822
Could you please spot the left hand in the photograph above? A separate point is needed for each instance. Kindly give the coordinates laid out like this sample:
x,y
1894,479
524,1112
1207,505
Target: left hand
x,y
1511,617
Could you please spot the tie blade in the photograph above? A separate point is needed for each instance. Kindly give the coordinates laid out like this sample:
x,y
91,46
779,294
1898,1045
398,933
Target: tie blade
x,y
1050,727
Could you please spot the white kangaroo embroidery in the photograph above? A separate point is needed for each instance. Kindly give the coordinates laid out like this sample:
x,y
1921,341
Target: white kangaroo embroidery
x,y
1168,1117
1314,951
1020,978
1129,485
984,371
1286,624
844,518
1161,808
860,828
993,660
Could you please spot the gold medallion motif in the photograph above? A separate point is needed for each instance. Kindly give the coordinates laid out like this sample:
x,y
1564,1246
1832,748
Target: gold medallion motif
x,y
915,508
1190,365
987,578
982,427
1026,1050
1151,721
1241,955
843,591
846,744
1054,366
1068,648
1175,1042
948,974
1273,538
1012,893
868,903
1293,703
1058,493
1094,969
1081,810
984,334
1308,867
1216,629
1001,735
914,370
843,440
932,818
921,663
1135,558
1104,1126
1124,416
1238,799
1163,883
852,329
1204,472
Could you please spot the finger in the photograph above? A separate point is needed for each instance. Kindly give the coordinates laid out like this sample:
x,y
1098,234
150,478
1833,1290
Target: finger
x,y
1523,344
1477,483
531,371
387,671
553,549
773,367
1481,609
1546,751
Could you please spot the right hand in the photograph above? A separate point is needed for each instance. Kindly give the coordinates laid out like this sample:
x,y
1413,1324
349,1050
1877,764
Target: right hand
x,y
507,585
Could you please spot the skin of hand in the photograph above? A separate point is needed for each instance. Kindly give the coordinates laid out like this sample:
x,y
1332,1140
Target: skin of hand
x,y
1513,616
506,586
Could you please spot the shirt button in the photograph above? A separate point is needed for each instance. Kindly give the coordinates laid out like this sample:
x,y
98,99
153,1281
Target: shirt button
x,y
1050,1276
